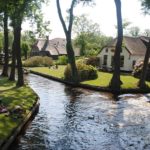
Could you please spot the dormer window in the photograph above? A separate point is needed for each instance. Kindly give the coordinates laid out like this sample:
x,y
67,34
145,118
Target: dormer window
x,y
113,50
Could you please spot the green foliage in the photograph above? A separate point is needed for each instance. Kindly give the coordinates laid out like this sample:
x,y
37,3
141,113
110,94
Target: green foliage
x,y
89,38
85,72
62,60
138,69
134,31
146,6
147,32
25,49
28,37
38,61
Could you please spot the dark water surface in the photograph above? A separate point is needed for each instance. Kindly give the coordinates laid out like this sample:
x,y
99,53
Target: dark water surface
x,y
78,119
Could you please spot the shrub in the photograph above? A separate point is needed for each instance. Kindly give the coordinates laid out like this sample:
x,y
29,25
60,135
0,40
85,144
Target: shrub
x,y
81,61
138,69
38,61
62,60
85,72
94,61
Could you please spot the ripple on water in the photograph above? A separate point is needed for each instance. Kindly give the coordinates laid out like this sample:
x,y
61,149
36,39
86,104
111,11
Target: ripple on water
x,y
79,119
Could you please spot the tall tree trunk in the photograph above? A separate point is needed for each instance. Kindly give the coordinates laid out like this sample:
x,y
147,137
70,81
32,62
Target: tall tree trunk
x,y
82,50
115,81
142,83
71,59
6,57
13,64
69,46
17,43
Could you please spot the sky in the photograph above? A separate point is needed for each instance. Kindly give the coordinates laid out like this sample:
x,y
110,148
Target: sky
x,y
103,13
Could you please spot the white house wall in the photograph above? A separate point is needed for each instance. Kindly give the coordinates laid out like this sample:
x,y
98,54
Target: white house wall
x,y
128,59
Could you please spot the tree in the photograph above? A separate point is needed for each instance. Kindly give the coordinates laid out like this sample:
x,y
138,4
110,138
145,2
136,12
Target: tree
x,y
125,25
69,47
115,81
145,6
142,83
4,9
92,43
28,37
25,49
88,33
68,31
134,31
1,41
20,9
17,14
147,32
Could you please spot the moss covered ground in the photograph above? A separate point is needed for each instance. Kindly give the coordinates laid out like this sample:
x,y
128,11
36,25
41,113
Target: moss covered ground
x,y
11,98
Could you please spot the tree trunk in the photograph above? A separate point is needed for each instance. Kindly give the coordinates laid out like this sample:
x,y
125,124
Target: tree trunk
x,y
142,83
115,81
71,59
6,57
70,52
17,43
13,64
82,50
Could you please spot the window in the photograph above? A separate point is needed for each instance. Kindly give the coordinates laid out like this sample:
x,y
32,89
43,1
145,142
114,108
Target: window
x,y
133,63
105,60
106,50
121,61
112,50
112,61
121,50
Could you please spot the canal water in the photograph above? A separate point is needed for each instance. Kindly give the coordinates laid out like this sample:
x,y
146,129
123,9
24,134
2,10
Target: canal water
x,y
79,119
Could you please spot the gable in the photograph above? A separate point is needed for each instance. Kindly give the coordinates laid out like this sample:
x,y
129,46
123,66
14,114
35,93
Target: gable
x,y
134,46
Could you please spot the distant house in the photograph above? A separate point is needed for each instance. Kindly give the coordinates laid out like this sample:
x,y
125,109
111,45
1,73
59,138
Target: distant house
x,y
133,49
52,48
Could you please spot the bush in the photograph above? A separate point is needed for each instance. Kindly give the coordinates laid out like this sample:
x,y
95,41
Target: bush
x,y
85,72
138,69
38,61
81,61
62,60
94,61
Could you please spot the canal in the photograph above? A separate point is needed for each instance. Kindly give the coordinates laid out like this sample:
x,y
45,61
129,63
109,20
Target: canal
x,y
79,119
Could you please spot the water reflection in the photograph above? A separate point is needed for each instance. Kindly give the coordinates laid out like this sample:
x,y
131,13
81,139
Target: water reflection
x,y
75,119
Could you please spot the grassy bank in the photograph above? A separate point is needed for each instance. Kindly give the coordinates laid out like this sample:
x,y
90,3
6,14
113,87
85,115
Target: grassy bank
x,y
102,80
18,102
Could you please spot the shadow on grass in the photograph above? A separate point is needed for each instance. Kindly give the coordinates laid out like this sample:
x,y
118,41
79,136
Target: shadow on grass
x,y
6,84
12,96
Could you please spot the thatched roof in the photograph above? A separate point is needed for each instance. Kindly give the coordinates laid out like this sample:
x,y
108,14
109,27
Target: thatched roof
x,y
56,46
133,44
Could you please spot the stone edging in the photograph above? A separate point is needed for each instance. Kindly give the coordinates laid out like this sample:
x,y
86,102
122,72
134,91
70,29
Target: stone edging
x,y
6,143
90,87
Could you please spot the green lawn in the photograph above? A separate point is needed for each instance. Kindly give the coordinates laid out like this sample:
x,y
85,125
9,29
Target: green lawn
x,y
102,80
10,96
59,73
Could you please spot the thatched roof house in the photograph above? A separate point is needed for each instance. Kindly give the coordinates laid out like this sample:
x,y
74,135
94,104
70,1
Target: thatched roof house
x,y
133,49
53,48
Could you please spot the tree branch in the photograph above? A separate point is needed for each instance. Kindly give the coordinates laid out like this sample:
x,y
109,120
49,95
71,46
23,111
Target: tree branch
x,y
71,16
61,17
